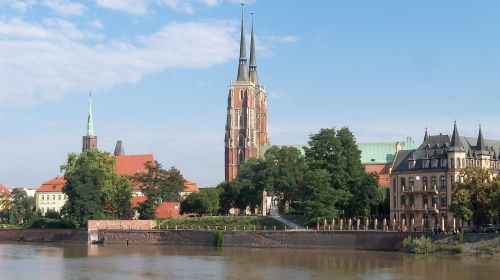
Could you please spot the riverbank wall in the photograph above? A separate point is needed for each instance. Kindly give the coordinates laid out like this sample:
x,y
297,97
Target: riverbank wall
x,y
44,235
359,240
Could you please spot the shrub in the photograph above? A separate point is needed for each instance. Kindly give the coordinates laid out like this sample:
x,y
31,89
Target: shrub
x,y
407,242
52,215
460,237
50,223
422,245
457,249
219,238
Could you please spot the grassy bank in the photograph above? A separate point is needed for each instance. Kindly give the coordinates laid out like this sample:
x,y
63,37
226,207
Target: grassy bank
x,y
468,244
222,222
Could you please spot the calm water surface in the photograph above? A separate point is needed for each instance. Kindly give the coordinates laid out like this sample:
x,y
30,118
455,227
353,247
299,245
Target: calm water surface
x,y
54,261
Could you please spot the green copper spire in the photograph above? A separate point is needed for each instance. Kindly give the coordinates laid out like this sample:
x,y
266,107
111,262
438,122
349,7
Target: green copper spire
x,y
242,65
90,122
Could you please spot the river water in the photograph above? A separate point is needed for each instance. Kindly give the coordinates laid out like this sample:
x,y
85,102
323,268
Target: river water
x,y
64,261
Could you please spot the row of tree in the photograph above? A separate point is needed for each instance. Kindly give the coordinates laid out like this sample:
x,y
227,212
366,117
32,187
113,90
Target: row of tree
x,y
325,181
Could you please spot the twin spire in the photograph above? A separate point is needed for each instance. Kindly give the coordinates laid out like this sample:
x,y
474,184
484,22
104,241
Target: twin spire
x,y
243,71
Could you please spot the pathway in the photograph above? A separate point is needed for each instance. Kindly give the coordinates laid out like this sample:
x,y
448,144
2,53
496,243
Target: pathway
x,y
289,224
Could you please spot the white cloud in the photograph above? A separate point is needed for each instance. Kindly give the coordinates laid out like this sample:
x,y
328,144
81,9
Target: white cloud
x,y
96,23
65,7
133,7
140,7
20,5
43,62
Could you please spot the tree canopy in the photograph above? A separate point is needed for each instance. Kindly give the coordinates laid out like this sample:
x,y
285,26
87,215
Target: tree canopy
x,y
158,185
476,198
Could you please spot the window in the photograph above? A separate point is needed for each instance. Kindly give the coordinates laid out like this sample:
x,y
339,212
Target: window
x,y
452,162
411,181
452,181
403,182
443,183
43,197
425,201
403,201
434,200
241,156
412,200
53,197
241,95
433,181
424,181
458,163
443,200
59,197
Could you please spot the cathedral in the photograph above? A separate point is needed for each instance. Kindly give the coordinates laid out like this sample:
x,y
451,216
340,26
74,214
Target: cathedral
x,y
246,125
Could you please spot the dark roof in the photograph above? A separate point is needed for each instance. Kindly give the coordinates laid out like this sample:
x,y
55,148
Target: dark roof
x,y
119,150
456,145
436,147
480,145
242,64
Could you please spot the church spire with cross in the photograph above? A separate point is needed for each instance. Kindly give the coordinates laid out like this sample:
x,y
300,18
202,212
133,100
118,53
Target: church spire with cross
x,y
89,140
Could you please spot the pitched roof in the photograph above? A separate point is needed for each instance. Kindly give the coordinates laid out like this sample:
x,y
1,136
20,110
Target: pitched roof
x,y
190,186
168,209
55,184
4,190
132,164
456,144
377,152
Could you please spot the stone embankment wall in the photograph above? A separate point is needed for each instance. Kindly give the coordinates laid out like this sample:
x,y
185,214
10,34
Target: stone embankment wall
x,y
44,235
360,240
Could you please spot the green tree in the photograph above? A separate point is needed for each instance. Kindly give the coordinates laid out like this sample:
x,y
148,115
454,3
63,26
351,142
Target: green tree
x,y
474,198
229,193
325,152
319,198
120,198
22,207
158,185
204,202
84,190
285,168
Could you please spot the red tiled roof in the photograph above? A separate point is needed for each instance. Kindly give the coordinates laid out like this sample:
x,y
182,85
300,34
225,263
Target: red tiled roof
x,y
132,164
190,186
55,184
165,210
4,190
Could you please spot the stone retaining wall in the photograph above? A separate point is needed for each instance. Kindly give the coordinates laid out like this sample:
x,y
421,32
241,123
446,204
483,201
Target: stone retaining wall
x,y
45,235
365,240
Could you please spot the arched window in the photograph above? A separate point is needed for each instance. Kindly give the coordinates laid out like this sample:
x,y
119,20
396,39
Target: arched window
x,y
241,156
241,140
242,95
411,181
433,181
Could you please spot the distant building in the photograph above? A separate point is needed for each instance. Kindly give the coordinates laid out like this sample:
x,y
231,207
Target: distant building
x,y
377,157
30,192
424,179
246,125
49,196
4,190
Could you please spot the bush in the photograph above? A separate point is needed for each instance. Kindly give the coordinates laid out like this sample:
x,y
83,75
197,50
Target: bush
x,y
422,245
219,238
42,222
407,242
449,248
460,237
52,215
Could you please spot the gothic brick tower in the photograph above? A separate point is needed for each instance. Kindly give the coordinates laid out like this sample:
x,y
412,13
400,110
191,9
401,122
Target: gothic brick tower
x,y
89,140
246,126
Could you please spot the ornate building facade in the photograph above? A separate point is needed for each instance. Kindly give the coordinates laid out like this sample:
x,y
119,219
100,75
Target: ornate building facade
x,y
423,180
246,126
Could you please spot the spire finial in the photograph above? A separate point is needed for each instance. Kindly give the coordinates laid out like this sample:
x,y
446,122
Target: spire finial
x,y
253,61
242,65
90,122
456,145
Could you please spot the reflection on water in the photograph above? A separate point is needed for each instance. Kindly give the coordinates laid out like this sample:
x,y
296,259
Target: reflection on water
x,y
56,261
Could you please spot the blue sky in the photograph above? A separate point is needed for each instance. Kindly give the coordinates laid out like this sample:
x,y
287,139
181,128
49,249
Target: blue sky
x,y
159,71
